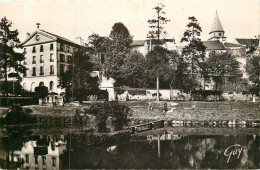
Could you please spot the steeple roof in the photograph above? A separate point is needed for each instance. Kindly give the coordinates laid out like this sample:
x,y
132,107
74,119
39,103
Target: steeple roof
x,y
216,25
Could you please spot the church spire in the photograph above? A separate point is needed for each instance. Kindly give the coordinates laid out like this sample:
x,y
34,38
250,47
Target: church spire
x,y
217,31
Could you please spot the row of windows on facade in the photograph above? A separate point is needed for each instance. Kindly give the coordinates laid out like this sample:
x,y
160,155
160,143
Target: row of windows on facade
x,y
62,59
62,48
42,70
43,160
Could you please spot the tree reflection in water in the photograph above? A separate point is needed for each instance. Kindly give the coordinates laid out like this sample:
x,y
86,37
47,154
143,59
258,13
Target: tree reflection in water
x,y
87,151
176,152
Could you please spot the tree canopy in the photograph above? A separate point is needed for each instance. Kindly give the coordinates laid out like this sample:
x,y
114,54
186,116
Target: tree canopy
x,y
117,49
223,68
194,52
253,70
10,58
157,32
78,75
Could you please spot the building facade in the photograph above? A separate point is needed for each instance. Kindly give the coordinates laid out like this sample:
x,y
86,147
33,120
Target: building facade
x,y
46,57
144,46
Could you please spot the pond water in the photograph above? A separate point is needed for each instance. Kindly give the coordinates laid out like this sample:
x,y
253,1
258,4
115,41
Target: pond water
x,y
167,150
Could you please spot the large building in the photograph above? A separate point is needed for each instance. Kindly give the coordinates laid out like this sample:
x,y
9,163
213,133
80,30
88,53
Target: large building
x,y
46,56
144,46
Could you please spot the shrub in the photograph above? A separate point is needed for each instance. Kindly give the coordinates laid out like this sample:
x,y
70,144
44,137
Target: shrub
x,y
7,87
113,109
41,91
137,92
17,115
119,91
204,94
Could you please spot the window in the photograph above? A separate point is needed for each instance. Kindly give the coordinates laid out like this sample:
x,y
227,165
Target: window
x,y
36,159
24,51
41,59
51,58
51,47
27,158
61,47
68,49
220,34
34,60
61,57
51,85
51,69
41,70
41,48
43,160
24,62
34,50
34,71
53,161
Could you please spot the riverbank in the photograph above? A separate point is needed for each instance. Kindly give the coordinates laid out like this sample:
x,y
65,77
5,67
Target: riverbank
x,y
144,111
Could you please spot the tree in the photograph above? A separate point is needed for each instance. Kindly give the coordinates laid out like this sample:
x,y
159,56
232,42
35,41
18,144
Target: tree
x,y
41,92
223,68
99,45
176,72
118,112
13,88
157,62
194,52
157,31
133,70
253,70
83,83
118,47
10,58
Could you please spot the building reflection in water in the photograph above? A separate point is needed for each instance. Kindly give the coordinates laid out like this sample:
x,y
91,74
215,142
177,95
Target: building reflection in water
x,y
166,150
41,153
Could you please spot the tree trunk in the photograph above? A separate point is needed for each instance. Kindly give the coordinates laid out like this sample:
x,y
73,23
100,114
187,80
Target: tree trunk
x,y
157,87
5,70
171,92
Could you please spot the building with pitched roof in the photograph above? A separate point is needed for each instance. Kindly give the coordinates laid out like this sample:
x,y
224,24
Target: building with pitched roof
x,y
144,46
46,56
217,32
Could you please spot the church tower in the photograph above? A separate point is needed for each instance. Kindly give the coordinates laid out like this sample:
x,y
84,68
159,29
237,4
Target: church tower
x,y
217,32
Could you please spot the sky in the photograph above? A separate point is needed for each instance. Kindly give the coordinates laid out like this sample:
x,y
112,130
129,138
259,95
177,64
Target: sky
x,y
70,19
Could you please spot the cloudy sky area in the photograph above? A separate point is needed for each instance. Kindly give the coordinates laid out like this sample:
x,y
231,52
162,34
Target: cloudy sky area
x,y
70,19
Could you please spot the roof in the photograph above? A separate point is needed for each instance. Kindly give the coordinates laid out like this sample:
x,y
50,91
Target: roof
x,y
248,41
232,45
154,42
216,25
59,38
214,45
138,43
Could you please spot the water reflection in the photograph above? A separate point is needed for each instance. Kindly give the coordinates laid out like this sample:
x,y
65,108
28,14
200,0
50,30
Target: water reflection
x,y
37,152
166,150
171,151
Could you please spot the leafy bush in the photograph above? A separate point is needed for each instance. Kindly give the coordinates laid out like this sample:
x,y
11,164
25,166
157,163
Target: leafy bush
x,y
205,94
137,92
41,91
17,115
113,109
119,91
155,94
8,88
